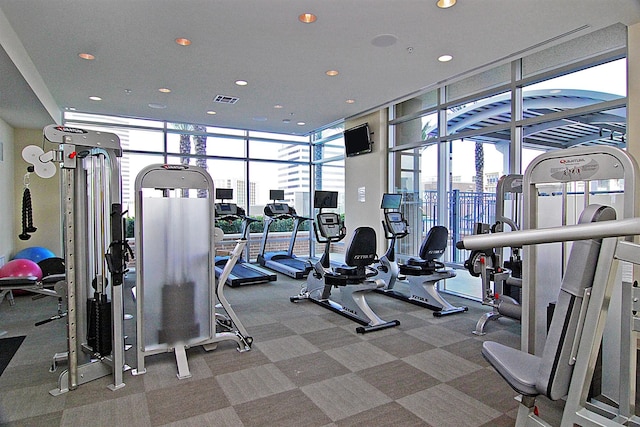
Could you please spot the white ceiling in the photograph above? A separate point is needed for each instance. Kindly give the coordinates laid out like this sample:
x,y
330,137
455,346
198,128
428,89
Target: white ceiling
x,y
262,42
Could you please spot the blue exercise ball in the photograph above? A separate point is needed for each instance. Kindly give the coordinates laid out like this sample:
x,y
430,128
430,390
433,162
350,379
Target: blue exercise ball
x,y
35,254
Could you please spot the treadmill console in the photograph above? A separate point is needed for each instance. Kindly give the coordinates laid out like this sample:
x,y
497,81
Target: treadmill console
x,y
228,209
329,224
274,209
395,223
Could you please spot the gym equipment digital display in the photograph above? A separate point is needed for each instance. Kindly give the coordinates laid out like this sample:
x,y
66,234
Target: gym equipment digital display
x,y
391,201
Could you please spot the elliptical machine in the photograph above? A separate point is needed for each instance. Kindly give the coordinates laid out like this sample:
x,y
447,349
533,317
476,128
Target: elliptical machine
x,y
423,273
354,280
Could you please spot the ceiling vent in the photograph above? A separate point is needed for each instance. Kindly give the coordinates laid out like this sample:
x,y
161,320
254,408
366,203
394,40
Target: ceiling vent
x,y
223,99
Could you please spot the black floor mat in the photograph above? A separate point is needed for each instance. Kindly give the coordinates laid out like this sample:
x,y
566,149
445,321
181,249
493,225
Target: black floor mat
x,y
8,347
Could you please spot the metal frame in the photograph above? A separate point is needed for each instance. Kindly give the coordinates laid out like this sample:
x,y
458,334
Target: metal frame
x,y
169,177
563,166
579,408
89,157
507,184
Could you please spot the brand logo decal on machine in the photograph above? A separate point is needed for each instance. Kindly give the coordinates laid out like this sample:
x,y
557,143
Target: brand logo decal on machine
x,y
572,161
66,129
574,169
175,167
348,310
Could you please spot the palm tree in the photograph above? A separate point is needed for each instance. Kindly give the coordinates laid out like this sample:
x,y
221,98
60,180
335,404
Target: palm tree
x,y
185,148
479,161
200,145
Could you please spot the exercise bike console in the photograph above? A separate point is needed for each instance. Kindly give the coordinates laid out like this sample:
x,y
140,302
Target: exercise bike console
x,y
395,224
329,226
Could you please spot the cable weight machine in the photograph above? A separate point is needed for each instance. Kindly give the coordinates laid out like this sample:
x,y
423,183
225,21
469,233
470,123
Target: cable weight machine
x,y
501,279
176,290
95,252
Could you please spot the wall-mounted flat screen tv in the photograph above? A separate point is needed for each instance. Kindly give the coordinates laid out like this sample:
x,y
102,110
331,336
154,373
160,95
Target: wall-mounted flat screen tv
x,y
357,140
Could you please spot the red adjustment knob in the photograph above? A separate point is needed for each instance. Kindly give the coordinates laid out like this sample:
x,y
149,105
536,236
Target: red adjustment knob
x,y
482,260
73,155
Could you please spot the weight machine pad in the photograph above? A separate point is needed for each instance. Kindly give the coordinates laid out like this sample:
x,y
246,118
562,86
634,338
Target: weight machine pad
x,y
518,368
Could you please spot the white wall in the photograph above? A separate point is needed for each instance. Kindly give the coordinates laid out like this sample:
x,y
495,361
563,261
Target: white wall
x,y
45,198
366,178
7,207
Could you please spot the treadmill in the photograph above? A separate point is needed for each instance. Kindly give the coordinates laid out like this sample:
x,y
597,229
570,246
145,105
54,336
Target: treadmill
x,y
284,262
243,273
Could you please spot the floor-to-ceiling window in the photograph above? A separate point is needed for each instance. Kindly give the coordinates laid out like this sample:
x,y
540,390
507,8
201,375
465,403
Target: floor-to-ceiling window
x,y
249,163
328,170
451,144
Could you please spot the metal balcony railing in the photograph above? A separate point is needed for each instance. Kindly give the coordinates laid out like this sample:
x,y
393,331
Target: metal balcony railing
x,y
465,210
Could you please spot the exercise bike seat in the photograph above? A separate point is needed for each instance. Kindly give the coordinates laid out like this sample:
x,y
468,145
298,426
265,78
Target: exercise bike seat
x,y
432,248
360,253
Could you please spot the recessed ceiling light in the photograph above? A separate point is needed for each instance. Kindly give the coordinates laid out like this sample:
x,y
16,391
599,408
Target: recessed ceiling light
x,y
157,106
350,101
164,90
278,106
95,98
286,121
307,18
445,58
332,73
443,4
183,42
211,113
301,123
241,82
86,56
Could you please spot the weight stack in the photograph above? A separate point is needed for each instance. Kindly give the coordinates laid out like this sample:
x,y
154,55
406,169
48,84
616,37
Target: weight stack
x,y
99,321
178,313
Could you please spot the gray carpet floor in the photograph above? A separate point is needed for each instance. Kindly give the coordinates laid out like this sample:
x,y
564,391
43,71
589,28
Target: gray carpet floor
x,y
307,367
